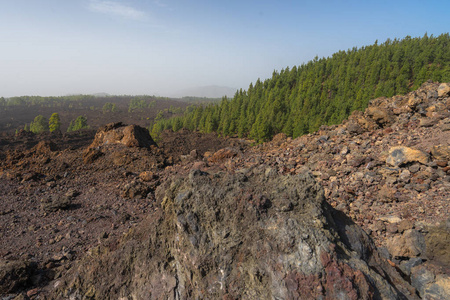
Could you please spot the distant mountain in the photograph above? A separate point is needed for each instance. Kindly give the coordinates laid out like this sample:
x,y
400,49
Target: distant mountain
x,y
98,95
101,95
211,91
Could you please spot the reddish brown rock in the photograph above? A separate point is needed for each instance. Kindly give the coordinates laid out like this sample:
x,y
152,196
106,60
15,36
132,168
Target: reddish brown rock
x,y
117,133
45,147
222,155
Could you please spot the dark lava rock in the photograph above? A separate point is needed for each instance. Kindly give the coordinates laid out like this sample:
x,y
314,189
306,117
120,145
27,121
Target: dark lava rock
x,y
14,275
229,236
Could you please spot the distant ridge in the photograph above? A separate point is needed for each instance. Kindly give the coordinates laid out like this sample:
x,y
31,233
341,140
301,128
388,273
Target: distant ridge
x,y
101,95
93,94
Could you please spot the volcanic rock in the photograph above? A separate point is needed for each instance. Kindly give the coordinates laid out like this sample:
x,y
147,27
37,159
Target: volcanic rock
x,y
118,133
223,154
410,244
443,90
55,202
430,283
14,274
44,147
135,189
438,243
227,236
380,115
441,152
401,155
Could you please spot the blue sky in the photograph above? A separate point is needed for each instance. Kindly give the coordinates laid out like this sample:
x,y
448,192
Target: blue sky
x,y
54,47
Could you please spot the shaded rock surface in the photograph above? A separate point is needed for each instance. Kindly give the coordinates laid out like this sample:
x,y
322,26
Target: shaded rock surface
x,y
250,235
14,275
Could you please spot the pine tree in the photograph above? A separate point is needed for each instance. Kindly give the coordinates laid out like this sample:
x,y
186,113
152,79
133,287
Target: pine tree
x,y
54,123
39,125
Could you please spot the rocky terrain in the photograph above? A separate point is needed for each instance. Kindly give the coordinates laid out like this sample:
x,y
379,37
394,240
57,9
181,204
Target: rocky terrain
x,y
354,211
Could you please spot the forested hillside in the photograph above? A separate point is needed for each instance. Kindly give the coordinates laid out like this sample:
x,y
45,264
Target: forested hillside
x,y
300,99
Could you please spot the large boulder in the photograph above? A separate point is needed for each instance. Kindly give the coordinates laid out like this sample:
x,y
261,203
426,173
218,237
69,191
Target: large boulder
x,y
401,155
247,235
118,133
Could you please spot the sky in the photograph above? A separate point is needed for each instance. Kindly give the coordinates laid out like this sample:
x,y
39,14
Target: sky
x,y
159,47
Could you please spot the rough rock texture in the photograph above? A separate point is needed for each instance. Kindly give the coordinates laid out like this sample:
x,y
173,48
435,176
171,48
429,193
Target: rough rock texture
x,y
117,133
444,90
401,155
14,275
251,235
410,244
438,244
431,282
441,152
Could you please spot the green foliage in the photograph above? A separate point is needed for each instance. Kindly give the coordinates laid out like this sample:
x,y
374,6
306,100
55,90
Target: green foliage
x,y
79,123
54,122
137,105
46,101
200,100
323,91
40,124
109,107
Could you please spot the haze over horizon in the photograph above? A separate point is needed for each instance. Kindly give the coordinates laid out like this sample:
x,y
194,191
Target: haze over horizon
x,y
161,47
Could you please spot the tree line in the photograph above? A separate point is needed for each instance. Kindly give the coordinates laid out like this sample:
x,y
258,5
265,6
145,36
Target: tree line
x,y
300,99
41,124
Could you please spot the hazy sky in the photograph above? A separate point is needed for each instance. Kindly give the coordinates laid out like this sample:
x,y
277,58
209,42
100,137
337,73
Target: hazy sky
x,y
58,47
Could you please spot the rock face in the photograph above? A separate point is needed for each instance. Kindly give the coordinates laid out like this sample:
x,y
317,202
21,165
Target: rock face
x,y
249,235
117,133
